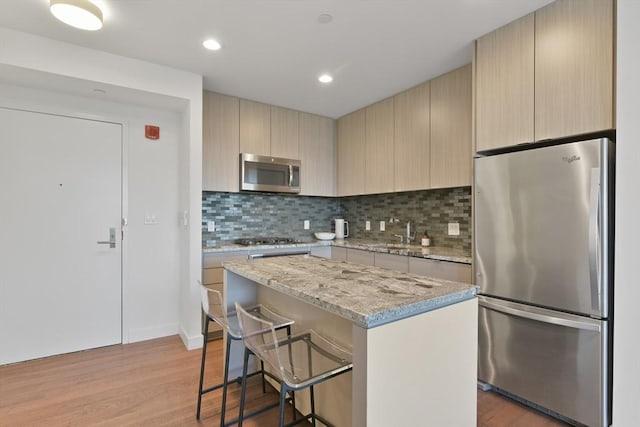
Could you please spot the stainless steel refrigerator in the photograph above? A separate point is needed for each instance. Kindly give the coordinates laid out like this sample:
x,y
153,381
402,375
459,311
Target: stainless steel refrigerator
x,y
544,261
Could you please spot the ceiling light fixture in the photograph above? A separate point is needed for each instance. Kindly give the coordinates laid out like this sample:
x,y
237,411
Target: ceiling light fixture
x,y
78,13
211,44
325,78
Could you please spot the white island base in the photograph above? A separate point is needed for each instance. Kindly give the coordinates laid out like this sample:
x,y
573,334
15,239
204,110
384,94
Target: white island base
x,y
415,371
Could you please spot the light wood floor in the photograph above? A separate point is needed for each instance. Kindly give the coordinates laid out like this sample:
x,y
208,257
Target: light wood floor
x,y
154,383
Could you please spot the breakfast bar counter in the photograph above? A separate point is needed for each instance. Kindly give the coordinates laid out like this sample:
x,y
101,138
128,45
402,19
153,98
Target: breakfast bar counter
x,y
367,296
413,338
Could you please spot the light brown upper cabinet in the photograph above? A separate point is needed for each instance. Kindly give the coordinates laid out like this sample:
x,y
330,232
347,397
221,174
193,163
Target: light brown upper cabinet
x,y
351,154
573,68
317,155
220,145
255,128
546,75
411,145
284,133
379,147
451,153
505,85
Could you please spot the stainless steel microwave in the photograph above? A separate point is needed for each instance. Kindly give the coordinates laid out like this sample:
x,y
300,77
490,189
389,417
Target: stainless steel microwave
x,y
272,174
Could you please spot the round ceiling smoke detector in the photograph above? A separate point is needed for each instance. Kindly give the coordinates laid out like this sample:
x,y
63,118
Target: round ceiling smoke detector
x,y
325,18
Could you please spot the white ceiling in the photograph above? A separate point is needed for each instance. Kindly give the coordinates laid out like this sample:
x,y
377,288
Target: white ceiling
x,y
274,50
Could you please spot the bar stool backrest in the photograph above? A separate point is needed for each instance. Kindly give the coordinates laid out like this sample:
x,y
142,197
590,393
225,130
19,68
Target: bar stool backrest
x,y
260,337
213,305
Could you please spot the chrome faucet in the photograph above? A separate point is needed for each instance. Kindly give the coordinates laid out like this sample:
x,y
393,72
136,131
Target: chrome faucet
x,y
410,236
400,236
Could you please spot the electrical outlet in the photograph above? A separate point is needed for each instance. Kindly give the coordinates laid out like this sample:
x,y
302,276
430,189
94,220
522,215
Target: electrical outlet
x,y
211,226
453,229
367,225
382,226
306,224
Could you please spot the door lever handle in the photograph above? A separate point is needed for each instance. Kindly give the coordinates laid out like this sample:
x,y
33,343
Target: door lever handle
x,y
112,239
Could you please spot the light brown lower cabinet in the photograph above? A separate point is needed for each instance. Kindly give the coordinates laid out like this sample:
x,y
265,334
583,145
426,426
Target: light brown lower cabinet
x,y
321,251
392,262
441,269
359,256
213,278
338,254
447,270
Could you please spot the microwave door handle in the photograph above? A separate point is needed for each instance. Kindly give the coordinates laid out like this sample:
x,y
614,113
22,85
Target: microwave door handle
x,y
290,175
594,232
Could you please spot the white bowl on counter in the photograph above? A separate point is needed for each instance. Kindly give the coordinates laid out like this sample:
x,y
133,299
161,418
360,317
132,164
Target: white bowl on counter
x,y
325,236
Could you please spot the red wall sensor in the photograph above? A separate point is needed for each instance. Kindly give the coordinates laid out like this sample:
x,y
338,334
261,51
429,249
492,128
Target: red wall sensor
x,y
152,132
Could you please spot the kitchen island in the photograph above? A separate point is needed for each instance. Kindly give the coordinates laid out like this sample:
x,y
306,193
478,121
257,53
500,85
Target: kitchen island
x,y
413,338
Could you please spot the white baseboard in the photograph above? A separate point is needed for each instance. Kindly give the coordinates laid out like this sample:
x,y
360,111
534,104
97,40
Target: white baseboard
x,y
191,342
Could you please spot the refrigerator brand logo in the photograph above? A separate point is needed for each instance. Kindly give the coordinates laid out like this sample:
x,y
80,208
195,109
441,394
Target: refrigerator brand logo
x,y
570,159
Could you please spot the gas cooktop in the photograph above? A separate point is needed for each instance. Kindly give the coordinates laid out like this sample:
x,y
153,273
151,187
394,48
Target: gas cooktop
x,y
252,241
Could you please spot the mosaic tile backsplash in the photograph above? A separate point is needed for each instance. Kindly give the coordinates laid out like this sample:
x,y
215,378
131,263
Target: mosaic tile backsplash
x,y
239,215
427,210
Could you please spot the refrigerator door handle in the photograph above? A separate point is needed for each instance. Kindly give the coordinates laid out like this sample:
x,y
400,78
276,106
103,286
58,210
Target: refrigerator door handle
x,y
545,318
594,233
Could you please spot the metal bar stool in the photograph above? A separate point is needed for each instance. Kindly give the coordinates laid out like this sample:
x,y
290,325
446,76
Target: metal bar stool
x,y
321,360
215,311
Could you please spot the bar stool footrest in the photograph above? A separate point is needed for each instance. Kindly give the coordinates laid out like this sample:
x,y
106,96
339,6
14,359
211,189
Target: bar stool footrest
x,y
257,412
309,418
237,380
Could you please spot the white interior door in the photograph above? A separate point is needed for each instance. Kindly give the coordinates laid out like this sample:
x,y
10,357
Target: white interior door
x,y
60,192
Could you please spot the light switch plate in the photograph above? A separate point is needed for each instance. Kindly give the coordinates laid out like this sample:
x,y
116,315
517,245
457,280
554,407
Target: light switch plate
x,y
367,225
382,226
306,224
211,226
151,219
454,229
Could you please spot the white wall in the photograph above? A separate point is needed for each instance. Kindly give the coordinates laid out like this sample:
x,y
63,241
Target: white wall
x,y
626,359
129,78
152,270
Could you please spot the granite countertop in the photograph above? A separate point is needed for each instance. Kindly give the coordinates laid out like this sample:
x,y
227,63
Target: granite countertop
x,y
231,247
367,296
430,252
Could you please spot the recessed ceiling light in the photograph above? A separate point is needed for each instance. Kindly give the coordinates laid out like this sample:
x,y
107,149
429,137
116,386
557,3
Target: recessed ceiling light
x,y
325,78
78,13
211,44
